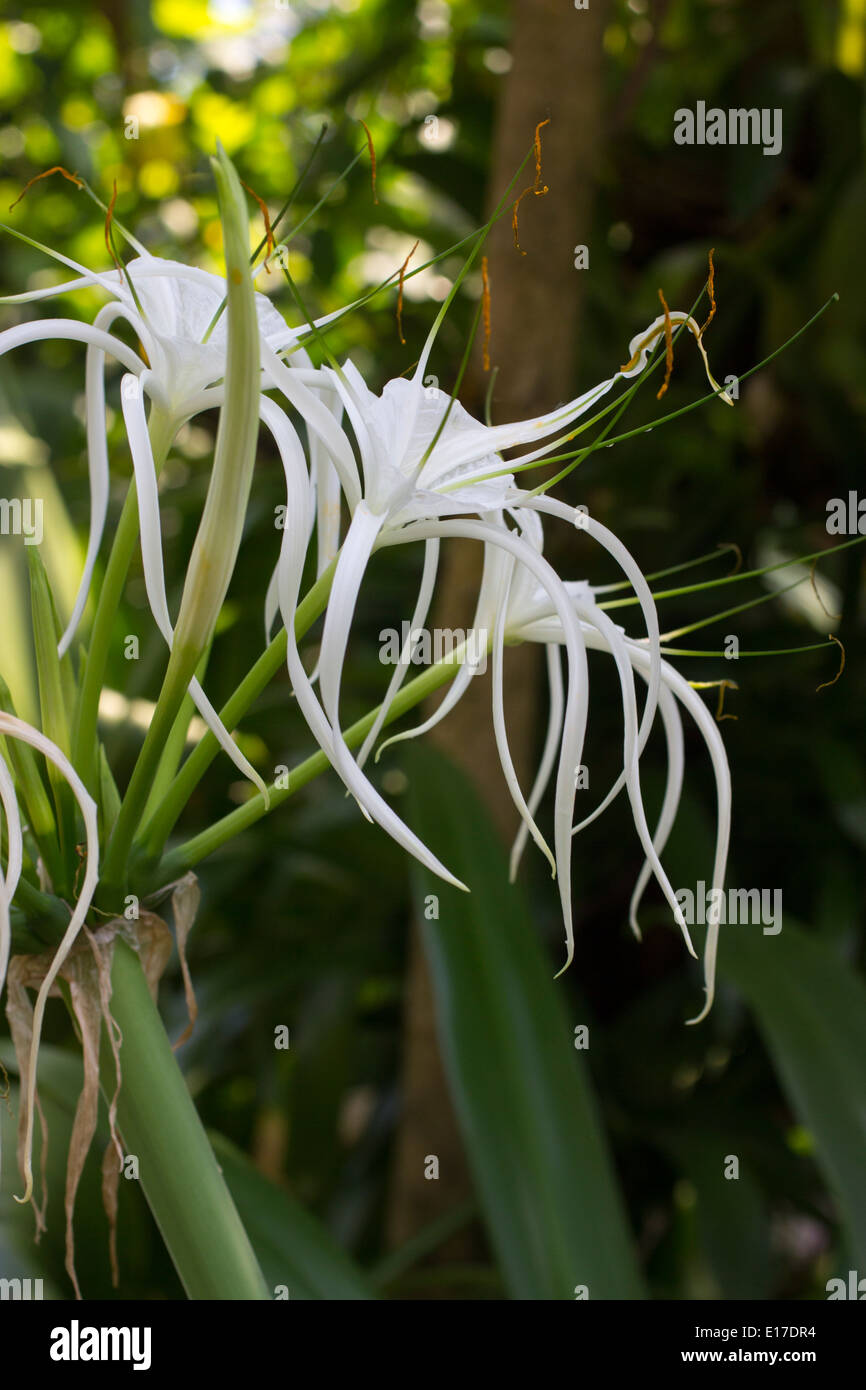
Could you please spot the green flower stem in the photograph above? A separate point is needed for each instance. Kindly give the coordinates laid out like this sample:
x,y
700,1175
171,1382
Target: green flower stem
x,y
84,738
180,1176
179,860
173,751
161,823
181,669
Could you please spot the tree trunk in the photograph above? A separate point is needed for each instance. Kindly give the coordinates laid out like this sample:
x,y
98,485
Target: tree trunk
x,y
536,302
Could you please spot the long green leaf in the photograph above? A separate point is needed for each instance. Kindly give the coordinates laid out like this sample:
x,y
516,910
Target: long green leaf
x,y
521,1091
293,1248
811,1009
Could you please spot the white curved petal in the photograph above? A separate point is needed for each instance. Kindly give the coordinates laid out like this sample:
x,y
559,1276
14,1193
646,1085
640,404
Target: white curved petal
x,y
548,755
97,467
43,329
692,701
673,728
327,482
12,727
291,567
154,574
499,729
318,419
107,279
272,602
457,688
577,701
354,556
419,617
632,571
14,860
485,616
81,282
613,642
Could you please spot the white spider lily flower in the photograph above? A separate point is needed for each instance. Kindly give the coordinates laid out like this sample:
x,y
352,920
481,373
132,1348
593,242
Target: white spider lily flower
x,y
170,307
512,599
424,461
530,618
175,310
13,727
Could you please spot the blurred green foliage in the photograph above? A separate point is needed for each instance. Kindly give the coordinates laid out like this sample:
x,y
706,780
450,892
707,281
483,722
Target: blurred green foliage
x,y
305,921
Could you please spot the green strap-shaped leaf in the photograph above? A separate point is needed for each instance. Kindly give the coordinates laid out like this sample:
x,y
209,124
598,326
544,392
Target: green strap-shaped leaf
x,y
811,1009
56,700
522,1093
293,1248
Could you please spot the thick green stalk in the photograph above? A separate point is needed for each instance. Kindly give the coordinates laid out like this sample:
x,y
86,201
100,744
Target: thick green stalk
x,y
181,669
173,751
220,529
178,1171
161,823
53,711
22,759
179,860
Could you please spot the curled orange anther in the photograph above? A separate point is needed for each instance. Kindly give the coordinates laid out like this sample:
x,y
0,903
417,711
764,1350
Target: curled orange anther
x,y
266,217
669,348
826,684
732,545
55,169
711,291
723,686
485,312
535,187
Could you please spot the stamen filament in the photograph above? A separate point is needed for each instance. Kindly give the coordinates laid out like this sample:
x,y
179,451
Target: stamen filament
x,y
400,293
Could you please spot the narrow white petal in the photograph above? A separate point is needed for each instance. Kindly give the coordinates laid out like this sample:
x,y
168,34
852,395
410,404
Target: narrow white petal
x,y
15,854
418,619
673,728
354,556
548,756
633,573
272,602
499,729
13,727
453,694
612,641
577,701
97,467
291,567
319,421
43,329
705,721
152,564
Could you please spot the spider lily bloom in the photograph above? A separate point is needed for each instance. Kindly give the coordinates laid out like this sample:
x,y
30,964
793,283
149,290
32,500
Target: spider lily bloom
x,y
530,618
12,727
174,310
425,461
511,599
170,307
